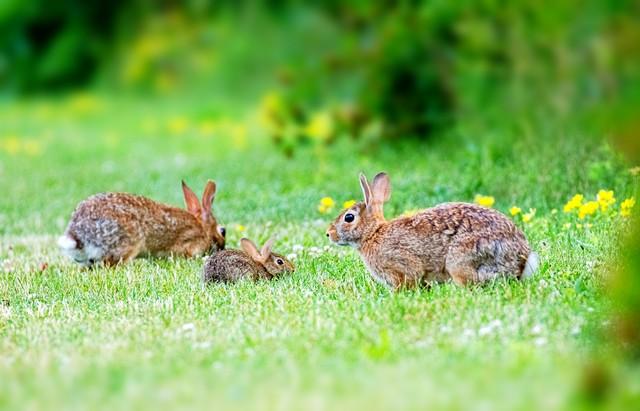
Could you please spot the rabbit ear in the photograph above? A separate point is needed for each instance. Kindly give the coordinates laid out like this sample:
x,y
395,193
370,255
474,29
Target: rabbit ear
x,y
366,190
381,187
208,195
190,199
250,248
380,192
266,249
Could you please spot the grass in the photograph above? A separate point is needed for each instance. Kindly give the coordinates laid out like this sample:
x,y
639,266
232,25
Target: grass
x,y
149,335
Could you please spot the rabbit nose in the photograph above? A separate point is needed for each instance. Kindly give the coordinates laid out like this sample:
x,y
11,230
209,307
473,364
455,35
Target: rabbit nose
x,y
327,234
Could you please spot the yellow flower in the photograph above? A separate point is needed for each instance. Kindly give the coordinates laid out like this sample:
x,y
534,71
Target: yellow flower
x,y
626,206
240,227
515,210
482,200
327,202
11,145
588,208
320,126
527,217
606,199
348,204
575,202
635,171
177,125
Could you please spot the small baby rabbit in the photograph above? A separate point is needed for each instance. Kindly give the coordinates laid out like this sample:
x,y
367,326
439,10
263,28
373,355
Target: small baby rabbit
x,y
233,265
465,242
117,227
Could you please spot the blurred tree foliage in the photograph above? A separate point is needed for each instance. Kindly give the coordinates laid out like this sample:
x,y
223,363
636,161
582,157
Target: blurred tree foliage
x,y
387,68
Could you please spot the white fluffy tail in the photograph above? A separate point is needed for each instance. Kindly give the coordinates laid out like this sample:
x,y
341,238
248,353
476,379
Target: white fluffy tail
x,y
532,265
67,243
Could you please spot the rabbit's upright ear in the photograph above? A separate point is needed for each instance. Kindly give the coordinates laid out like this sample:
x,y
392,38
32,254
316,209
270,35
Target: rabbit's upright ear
x,y
366,190
265,252
380,191
191,199
250,248
208,195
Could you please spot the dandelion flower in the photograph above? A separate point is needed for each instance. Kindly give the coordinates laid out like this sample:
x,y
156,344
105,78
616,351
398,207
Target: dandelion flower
x,y
588,208
605,199
327,202
240,227
626,206
574,203
515,211
527,217
486,201
326,205
348,204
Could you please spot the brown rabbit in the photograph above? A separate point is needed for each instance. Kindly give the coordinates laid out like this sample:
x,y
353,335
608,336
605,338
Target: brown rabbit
x,y
465,242
117,227
249,263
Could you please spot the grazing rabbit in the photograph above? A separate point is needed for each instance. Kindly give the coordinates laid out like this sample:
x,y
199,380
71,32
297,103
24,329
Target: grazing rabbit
x,y
117,227
233,265
465,242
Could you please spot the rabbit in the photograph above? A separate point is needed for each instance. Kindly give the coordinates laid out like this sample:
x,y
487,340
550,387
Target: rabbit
x,y
249,263
464,242
113,228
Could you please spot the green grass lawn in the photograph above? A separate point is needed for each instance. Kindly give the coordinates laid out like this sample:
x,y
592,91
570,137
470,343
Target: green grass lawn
x,y
150,335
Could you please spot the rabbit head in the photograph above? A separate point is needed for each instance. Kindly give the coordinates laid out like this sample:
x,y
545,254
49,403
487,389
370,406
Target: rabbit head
x,y
201,210
274,264
363,218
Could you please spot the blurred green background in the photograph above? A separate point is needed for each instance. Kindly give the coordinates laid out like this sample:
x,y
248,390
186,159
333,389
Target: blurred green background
x,y
332,69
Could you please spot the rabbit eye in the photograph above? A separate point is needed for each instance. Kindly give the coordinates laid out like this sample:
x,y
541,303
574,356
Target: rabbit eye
x,y
349,217
279,261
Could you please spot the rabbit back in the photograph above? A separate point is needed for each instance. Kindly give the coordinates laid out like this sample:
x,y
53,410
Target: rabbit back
x,y
231,266
113,227
450,240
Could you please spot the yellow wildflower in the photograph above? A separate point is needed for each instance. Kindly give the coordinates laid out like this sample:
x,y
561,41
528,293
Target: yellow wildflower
x,y
326,205
588,208
515,210
177,125
348,204
626,206
240,227
483,200
527,217
320,126
11,145
606,199
575,202
327,201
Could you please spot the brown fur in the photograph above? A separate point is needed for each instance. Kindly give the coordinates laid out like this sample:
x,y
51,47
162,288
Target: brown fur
x,y
248,263
465,242
117,227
